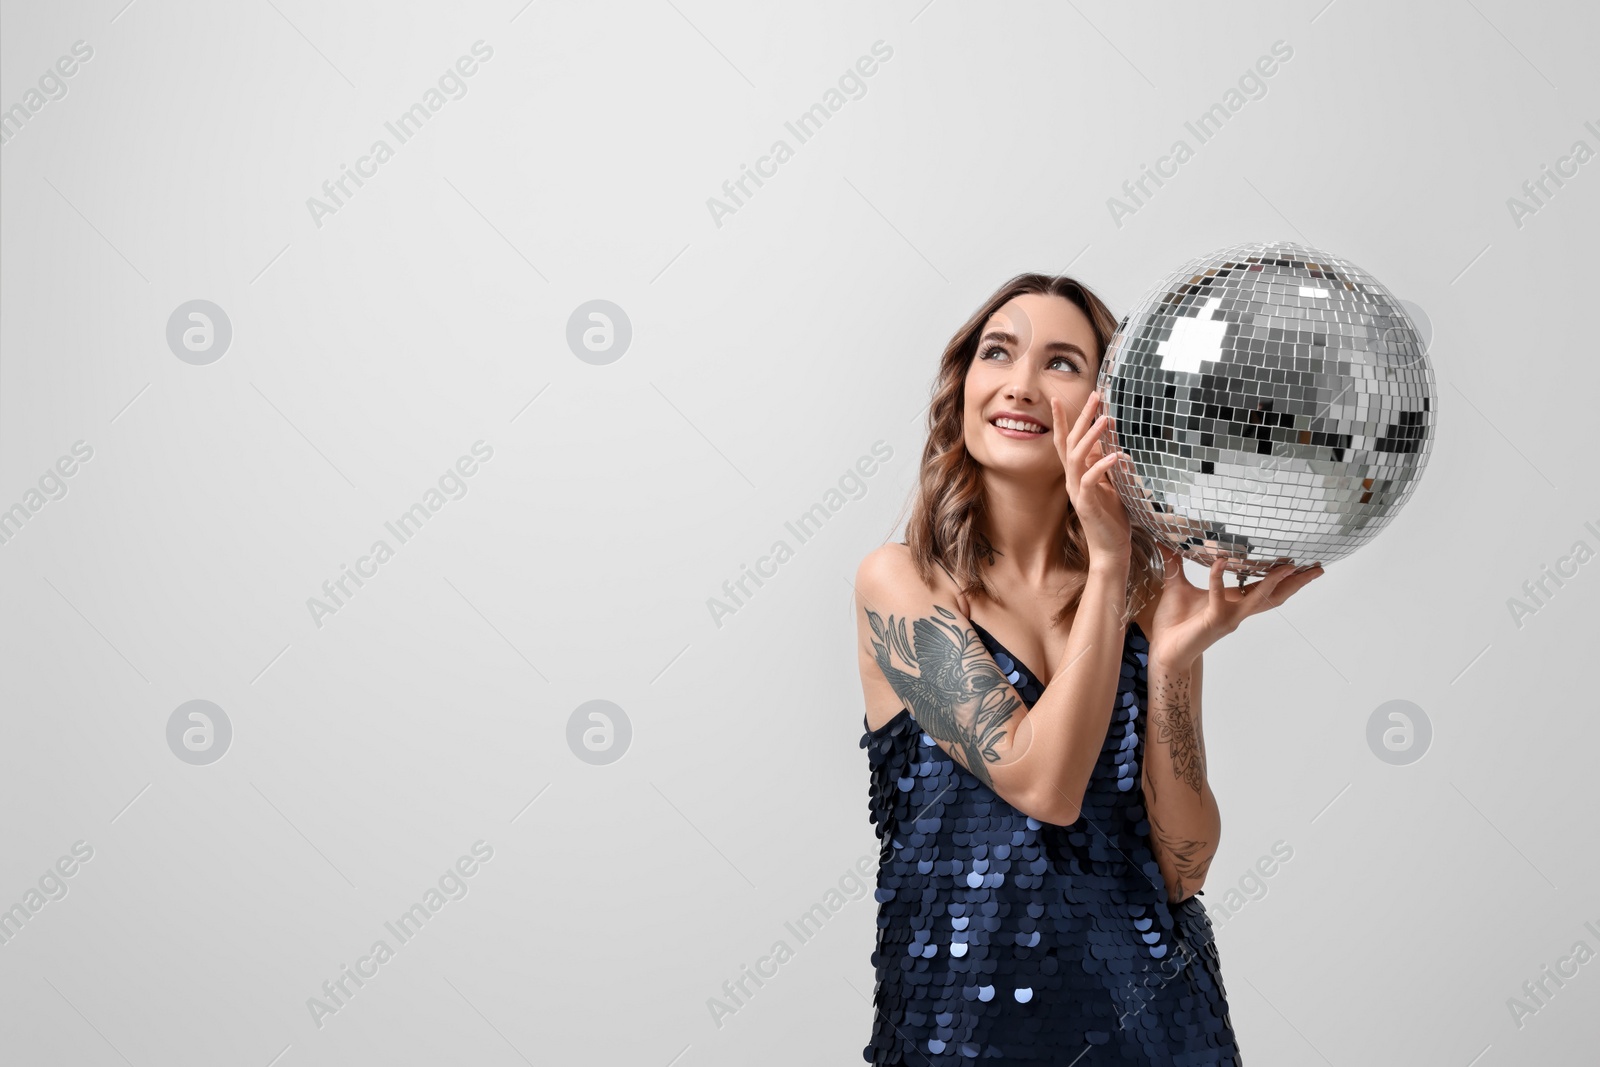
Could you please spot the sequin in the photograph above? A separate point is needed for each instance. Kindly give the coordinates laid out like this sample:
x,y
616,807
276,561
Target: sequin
x,y
1002,938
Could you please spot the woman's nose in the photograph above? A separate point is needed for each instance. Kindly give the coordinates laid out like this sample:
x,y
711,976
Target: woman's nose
x,y
1021,383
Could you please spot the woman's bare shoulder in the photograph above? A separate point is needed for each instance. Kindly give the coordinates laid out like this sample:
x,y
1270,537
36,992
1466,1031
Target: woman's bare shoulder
x,y
891,557
892,564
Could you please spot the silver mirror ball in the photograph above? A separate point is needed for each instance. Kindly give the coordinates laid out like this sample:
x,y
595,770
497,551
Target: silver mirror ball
x,y
1274,402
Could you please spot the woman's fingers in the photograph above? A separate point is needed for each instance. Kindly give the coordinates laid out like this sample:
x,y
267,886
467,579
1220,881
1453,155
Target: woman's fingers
x,y
1297,580
1080,425
1227,609
1283,581
1065,435
1093,474
1085,413
1279,571
1093,437
1092,462
1086,434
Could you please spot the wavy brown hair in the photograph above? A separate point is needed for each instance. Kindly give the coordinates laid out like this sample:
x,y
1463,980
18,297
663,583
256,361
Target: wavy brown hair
x,y
943,527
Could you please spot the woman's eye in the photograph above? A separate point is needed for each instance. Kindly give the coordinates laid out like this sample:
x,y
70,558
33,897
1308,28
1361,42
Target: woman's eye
x,y
992,350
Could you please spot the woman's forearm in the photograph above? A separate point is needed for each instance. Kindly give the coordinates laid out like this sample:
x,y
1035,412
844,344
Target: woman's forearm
x,y
1185,824
1066,726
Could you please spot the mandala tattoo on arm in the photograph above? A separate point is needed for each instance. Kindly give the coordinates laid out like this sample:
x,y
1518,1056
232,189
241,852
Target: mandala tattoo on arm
x,y
1187,859
1175,727
949,682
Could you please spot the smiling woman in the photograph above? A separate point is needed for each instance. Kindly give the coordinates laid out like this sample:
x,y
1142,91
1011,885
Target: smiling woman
x,y
1030,908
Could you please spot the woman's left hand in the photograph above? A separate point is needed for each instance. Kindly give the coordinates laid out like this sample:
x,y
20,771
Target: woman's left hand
x,y
1188,620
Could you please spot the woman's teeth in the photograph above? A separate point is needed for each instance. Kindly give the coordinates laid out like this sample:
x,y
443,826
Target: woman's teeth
x,y
1013,424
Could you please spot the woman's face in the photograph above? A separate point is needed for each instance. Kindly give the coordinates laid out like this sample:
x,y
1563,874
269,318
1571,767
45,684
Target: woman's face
x,y
1037,346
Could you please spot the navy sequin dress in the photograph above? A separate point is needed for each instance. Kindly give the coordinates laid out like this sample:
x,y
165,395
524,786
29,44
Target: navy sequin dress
x,y
1007,939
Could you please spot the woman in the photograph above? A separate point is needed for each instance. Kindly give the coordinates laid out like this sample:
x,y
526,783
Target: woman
x,y
1032,671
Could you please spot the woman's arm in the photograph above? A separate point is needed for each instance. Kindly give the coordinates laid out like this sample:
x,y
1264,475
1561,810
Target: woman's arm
x,y
1184,622
920,645
1185,824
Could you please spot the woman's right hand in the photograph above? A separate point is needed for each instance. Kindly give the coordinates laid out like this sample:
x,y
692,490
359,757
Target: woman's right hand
x,y
1087,463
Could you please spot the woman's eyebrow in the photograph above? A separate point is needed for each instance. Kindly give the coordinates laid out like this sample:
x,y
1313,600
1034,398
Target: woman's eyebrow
x,y
1066,346
1054,346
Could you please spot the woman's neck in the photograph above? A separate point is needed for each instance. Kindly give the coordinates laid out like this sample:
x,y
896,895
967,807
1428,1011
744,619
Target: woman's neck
x,y
1025,524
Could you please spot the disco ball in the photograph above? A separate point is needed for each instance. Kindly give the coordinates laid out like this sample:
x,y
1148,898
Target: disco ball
x,y
1274,403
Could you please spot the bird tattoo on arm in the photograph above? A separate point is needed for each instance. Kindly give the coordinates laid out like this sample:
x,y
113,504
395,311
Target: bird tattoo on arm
x,y
949,682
